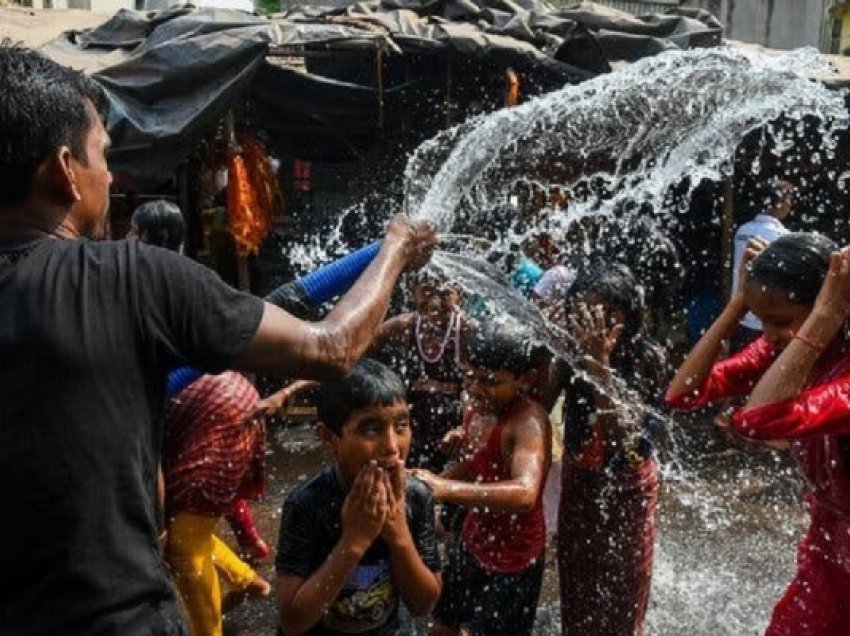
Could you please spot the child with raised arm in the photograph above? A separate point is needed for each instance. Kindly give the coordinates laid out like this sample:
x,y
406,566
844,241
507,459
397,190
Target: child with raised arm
x,y
495,569
797,377
359,536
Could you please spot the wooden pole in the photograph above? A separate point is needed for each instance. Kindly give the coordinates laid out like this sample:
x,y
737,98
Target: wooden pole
x,y
727,237
242,272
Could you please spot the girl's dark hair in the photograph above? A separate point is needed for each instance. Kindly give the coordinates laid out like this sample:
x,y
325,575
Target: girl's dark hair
x,y
618,289
796,263
499,347
162,222
639,360
369,383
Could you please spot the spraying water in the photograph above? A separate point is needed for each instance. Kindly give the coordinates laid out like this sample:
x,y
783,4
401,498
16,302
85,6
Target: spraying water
x,y
633,134
618,143
624,142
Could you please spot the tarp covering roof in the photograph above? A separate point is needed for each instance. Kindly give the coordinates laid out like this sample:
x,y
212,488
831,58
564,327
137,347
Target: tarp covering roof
x,y
170,75
532,26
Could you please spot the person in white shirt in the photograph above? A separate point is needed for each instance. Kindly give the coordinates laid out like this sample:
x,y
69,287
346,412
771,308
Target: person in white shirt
x,y
779,199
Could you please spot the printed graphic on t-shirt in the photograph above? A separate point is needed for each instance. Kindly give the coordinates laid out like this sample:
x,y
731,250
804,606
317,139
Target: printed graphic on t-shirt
x,y
366,602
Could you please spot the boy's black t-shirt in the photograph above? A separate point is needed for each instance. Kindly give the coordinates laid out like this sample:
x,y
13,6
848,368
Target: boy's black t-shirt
x,y
310,528
87,334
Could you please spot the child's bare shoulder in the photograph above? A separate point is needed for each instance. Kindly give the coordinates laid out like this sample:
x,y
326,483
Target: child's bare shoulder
x,y
530,415
396,327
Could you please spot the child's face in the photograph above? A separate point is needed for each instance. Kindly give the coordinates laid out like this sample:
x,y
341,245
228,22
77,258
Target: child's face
x,y
432,299
380,433
494,390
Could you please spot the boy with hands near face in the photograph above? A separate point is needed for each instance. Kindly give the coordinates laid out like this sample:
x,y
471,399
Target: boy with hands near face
x,y
359,536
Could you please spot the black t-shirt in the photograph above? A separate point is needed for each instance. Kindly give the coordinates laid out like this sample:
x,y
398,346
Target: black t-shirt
x,y
87,334
309,530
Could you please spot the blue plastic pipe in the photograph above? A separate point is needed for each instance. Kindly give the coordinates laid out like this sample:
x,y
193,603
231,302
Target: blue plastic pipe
x,y
179,379
334,279
317,287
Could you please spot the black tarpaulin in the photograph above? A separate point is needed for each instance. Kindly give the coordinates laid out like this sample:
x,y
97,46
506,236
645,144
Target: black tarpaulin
x,y
170,75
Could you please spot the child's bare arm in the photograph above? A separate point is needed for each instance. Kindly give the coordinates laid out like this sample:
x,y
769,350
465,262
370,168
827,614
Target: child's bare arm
x,y
418,586
276,402
395,329
302,602
529,457
457,472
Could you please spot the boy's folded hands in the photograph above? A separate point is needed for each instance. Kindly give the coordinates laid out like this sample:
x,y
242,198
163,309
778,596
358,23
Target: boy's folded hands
x,y
395,529
365,508
375,506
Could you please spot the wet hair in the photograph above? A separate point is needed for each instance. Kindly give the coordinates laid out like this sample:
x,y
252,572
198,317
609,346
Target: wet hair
x,y
638,358
618,289
162,222
43,106
368,384
796,263
497,346
422,276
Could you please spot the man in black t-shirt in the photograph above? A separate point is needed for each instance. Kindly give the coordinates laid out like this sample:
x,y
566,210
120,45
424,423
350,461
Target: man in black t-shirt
x,y
359,536
87,334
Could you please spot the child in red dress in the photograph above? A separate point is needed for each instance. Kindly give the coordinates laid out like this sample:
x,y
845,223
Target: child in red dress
x,y
797,376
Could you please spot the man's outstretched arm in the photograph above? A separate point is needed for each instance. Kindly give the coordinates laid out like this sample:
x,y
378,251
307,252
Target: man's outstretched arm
x,y
285,345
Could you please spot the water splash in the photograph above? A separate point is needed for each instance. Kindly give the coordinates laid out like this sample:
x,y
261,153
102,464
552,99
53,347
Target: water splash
x,y
619,143
632,135
623,142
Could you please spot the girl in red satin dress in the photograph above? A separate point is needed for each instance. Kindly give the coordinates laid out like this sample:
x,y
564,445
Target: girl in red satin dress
x,y
797,376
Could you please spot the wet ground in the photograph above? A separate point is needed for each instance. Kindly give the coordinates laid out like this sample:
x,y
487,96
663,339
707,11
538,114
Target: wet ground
x,y
727,527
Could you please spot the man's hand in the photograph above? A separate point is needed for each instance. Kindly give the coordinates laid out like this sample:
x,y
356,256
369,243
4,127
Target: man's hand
x,y
419,239
365,509
755,246
395,530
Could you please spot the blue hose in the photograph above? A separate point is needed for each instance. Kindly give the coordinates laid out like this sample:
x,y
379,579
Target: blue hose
x,y
334,279
179,379
319,286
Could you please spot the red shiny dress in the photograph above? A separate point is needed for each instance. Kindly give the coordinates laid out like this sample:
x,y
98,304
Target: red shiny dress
x,y
817,424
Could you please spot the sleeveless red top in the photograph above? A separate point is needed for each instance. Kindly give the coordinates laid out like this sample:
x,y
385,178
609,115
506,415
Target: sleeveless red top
x,y
503,541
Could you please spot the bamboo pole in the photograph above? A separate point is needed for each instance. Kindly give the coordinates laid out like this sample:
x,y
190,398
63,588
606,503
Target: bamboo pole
x,y
727,236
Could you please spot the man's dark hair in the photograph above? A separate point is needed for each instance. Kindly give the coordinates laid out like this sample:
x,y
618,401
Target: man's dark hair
x,y
369,383
42,107
796,263
162,222
497,346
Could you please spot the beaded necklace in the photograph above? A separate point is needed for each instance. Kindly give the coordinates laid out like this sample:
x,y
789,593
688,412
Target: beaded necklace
x,y
453,322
